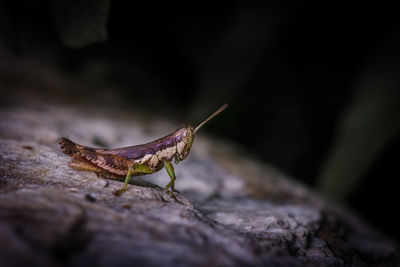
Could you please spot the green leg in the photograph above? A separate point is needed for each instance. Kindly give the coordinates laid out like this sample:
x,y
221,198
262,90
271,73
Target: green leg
x,y
133,169
170,170
127,178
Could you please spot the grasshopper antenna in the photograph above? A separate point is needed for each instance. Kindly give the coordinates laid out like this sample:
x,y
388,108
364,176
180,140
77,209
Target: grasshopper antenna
x,y
210,117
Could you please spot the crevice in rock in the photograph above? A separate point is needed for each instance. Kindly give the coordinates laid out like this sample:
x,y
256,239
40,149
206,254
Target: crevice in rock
x,y
74,241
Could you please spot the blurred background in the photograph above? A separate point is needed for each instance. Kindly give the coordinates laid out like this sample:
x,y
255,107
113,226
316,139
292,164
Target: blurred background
x,y
313,89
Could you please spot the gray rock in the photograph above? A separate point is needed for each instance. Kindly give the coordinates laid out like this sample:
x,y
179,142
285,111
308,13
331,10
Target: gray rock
x,y
232,209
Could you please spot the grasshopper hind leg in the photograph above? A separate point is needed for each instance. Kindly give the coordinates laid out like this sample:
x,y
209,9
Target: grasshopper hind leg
x,y
81,165
127,178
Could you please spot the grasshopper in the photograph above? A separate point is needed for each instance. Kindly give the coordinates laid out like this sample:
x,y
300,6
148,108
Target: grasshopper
x,y
136,160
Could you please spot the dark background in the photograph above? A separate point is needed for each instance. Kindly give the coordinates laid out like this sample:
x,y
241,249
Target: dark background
x,y
313,88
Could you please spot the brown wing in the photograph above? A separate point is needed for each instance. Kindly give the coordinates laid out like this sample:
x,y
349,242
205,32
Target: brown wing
x,y
109,162
131,153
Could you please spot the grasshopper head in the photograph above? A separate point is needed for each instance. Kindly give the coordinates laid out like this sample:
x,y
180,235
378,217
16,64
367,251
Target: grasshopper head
x,y
184,141
184,136
188,135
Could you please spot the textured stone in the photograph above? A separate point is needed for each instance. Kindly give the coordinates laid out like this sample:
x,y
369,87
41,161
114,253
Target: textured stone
x,y
232,210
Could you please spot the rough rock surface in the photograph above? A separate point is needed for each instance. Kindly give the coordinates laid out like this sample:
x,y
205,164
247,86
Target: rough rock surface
x,y
232,211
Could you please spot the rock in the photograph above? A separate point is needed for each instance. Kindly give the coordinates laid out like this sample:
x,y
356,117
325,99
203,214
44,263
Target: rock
x,y
232,209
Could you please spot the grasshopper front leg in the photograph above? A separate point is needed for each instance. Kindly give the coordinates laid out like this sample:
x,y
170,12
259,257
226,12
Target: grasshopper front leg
x,y
170,170
132,170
